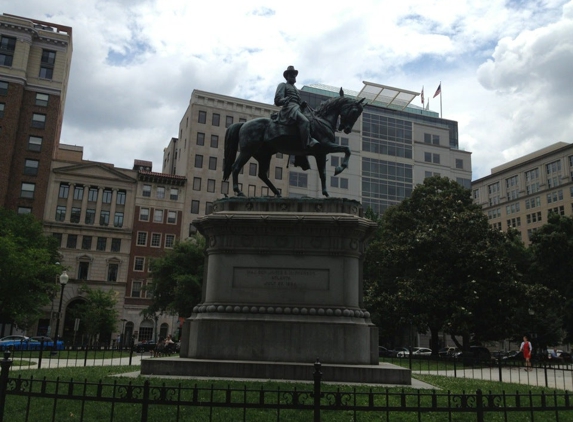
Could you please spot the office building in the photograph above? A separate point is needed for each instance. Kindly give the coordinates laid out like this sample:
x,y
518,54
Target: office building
x,y
522,193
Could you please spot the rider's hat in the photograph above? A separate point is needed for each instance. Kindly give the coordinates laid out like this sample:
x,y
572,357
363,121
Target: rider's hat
x,y
290,69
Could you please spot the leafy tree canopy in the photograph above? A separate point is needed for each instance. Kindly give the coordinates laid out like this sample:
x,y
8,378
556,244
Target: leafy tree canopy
x,y
437,265
28,268
98,313
177,278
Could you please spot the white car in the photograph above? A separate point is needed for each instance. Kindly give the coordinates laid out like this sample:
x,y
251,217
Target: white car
x,y
417,351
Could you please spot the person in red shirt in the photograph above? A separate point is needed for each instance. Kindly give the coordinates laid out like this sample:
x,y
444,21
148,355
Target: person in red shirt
x,y
526,349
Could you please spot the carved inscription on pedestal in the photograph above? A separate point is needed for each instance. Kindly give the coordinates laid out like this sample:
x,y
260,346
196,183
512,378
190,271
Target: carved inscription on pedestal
x,y
280,278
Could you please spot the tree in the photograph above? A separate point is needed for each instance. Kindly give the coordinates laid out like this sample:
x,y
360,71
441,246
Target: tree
x,y
177,278
437,265
552,255
97,313
28,268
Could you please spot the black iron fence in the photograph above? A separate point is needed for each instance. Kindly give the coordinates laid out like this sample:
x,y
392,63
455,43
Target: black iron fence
x,y
29,399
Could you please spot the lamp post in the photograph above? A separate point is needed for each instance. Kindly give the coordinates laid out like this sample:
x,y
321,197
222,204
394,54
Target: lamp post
x,y
122,338
63,281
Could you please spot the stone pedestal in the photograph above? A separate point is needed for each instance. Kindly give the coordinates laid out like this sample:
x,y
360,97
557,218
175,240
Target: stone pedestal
x,y
283,285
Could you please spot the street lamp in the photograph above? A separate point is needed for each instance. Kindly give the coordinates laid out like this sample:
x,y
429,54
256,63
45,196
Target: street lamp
x,y
64,277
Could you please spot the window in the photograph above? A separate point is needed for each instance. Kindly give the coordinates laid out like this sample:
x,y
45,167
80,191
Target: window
x,y
120,200
344,141
28,190
147,191
198,161
459,163
343,183
214,141
252,190
75,215
436,158
106,197
334,161
196,183
2,105
42,99
208,208
554,167
278,173
90,216
298,179
242,120
141,238
264,191
136,292
194,207
101,243
252,169
115,245
34,143
158,216
24,210
493,188
39,121
118,219
216,119
212,163
64,190
210,185
144,214
428,157
47,64
104,218
155,240
7,47
169,240
533,202
87,242
139,263
60,213
160,192
58,237
200,139
83,270
78,192
72,241
174,194
171,217
112,271
92,194
228,121
31,167
202,117
225,187
555,196
334,182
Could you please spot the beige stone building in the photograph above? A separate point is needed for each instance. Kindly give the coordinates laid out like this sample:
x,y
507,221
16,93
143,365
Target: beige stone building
x,y
522,192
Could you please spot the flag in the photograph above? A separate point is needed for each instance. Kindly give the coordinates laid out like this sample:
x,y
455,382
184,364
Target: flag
x,y
428,105
422,94
438,91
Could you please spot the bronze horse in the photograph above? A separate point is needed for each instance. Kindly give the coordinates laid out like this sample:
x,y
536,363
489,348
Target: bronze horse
x,y
260,138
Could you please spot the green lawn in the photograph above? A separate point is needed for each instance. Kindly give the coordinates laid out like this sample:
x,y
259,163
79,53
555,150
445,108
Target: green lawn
x,y
41,408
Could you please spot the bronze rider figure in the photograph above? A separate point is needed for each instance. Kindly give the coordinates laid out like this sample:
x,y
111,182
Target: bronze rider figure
x,y
288,98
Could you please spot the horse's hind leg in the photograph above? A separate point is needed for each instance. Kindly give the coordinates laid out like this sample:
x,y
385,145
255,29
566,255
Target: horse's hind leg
x,y
237,166
264,164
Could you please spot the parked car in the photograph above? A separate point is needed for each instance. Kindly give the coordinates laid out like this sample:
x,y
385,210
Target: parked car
x,y
145,346
383,352
416,352
399,352
18,343
512,355
48,343
475,354
447,352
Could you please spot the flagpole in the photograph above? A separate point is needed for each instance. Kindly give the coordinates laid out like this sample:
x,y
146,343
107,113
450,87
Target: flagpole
x,y
441,116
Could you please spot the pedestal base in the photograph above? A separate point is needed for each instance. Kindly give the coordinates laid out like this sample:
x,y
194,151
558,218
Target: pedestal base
x,y
296,371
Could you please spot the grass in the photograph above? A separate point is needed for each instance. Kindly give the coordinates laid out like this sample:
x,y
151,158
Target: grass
x,y
41,409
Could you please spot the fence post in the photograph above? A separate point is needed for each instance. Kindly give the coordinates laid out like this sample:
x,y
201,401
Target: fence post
x,y
317,377
479,405
145,404
41,352
545,371
5,365
499,367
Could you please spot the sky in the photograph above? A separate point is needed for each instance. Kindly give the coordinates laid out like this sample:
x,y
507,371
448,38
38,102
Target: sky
x,y
505,67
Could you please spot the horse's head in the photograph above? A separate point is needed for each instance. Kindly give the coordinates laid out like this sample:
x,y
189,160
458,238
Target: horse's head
x,y
349,113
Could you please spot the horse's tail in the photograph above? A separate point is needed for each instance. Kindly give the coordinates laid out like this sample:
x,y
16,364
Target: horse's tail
x,y
231,148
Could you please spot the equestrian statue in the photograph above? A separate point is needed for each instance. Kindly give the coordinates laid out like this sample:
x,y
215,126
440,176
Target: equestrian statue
x,y
296,130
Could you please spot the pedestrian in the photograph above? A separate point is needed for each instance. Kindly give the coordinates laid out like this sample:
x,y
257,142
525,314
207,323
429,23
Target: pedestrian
x,y
526,349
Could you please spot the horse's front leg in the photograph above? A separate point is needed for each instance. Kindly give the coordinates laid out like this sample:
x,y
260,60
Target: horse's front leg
x,y
321,166
339,169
